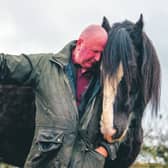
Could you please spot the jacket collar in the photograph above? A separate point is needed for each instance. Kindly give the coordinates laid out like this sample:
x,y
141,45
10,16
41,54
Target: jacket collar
x,y
63,57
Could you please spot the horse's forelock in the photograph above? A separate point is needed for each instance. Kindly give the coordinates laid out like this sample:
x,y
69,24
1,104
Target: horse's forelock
x,y
119,48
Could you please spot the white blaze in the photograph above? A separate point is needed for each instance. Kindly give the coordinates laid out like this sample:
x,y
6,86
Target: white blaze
x,y
109,93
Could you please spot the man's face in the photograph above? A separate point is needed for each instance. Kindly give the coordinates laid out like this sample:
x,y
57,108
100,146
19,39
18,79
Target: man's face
x,y
88,52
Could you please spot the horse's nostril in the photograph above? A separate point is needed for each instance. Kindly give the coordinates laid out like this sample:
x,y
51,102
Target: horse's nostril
x,y
116,135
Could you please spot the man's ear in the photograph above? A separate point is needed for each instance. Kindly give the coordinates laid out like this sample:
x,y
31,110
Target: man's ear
x,y
78,43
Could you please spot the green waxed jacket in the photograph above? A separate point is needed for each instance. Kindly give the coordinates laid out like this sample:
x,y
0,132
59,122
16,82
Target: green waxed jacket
x,y
61,139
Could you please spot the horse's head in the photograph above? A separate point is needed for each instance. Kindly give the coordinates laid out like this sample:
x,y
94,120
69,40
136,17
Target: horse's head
x,y
130,76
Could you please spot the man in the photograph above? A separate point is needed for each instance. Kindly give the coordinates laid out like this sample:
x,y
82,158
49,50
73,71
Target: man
x,y
68,102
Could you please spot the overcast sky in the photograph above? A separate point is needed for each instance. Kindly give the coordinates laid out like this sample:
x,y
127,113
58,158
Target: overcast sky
x,y
32,26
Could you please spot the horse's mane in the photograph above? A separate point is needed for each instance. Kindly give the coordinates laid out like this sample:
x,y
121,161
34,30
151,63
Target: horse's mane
x,y
151,74
128,44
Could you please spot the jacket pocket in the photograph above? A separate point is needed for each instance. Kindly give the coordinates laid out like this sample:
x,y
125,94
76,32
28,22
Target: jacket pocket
x,y
93,159
45,151
49,140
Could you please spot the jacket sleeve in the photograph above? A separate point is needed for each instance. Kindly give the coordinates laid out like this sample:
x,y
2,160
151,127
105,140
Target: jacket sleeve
x,y
111,149
20,69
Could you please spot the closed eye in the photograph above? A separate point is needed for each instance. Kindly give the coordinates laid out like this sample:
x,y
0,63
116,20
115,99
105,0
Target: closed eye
x,y
96,51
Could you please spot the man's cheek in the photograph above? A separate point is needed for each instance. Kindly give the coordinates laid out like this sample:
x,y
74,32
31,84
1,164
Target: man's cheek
x,y
85,55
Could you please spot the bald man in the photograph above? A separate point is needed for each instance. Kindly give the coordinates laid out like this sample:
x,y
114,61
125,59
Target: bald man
x,y
68,102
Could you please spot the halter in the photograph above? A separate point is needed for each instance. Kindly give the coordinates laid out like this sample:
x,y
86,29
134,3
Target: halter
x,y
121,138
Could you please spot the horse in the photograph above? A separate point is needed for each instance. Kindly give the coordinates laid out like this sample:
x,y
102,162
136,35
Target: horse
x,y
17,122
130,73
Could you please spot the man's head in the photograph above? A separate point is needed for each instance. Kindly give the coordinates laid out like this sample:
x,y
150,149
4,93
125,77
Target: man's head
x,y
89,46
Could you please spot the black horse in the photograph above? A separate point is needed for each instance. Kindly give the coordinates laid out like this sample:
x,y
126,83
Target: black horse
x,y
17,122
131,72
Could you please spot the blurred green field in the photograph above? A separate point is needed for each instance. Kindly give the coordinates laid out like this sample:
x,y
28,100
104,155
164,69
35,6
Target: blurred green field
x,y
2,165
138,165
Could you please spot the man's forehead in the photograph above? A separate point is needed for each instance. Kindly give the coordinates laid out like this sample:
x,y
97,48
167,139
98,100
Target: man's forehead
x,y
95,43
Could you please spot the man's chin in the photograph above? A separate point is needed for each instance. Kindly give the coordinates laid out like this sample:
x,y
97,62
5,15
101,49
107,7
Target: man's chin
x,y
91,67
87,66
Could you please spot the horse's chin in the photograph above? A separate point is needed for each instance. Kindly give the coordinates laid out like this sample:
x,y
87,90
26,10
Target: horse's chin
x,y
121,122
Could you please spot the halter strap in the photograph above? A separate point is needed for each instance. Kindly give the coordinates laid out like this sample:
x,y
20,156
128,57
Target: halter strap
x,y
121,138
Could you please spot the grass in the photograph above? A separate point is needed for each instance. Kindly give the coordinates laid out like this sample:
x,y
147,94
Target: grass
x,y
145,165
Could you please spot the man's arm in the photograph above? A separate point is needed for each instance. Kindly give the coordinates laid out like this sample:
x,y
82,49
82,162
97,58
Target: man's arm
x,y
108,149
18,69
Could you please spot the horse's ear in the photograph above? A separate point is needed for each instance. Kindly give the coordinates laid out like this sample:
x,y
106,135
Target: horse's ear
x,y
106,24
137,33
139,25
